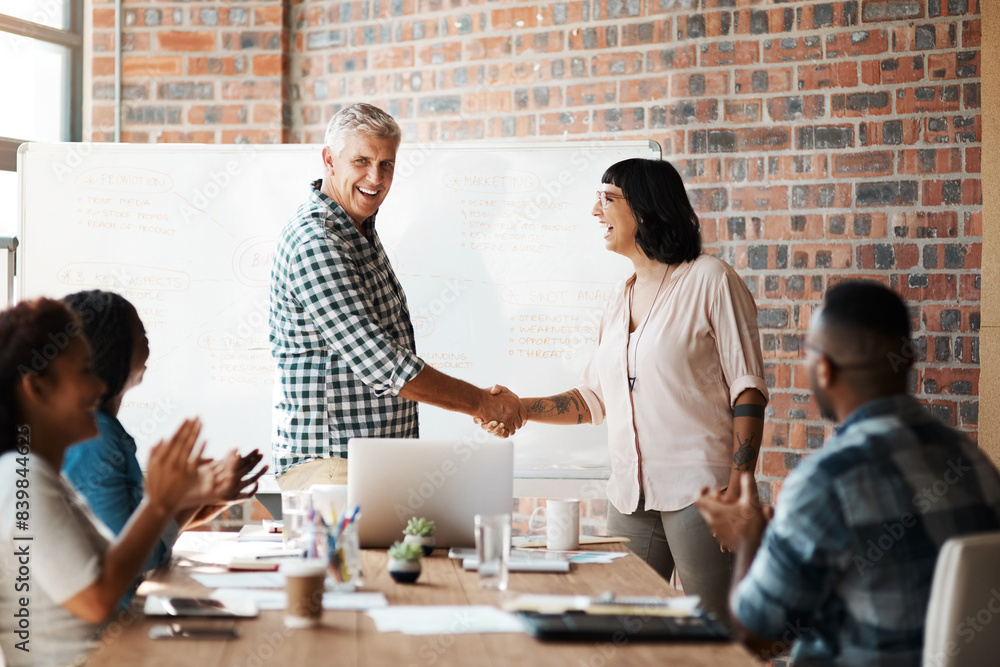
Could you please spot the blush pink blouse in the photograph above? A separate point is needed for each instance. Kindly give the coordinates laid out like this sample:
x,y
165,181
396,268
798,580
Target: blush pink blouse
x,y
697,351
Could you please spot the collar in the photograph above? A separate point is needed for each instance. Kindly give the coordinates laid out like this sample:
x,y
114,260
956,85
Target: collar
x,y
339,215
897,404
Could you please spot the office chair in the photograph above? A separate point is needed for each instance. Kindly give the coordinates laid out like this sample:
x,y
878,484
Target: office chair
x,y
962,627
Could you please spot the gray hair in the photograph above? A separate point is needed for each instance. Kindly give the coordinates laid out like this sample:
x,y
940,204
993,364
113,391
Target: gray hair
x,y
360,117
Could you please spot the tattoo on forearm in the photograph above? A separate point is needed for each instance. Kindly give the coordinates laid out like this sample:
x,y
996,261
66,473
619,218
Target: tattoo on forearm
x,y
560,404
745,456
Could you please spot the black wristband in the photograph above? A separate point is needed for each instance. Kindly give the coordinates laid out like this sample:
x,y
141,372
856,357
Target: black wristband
x,y
749,410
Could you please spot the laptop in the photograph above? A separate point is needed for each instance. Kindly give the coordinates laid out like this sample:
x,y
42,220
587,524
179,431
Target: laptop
x,y
580,626
446,481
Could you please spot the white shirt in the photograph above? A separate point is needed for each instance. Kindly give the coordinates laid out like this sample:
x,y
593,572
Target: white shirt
x,y
64,554
696,352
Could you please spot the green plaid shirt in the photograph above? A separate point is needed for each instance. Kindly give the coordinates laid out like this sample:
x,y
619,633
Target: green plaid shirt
x,y
341,337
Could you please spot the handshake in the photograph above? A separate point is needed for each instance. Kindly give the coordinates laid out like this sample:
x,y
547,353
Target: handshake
x,y
501,412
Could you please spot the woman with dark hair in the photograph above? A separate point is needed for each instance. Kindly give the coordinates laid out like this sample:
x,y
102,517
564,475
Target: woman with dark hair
x,y
64,572
105,469
678,374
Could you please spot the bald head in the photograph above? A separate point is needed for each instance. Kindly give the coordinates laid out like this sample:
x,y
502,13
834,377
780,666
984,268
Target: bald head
x,y
864,329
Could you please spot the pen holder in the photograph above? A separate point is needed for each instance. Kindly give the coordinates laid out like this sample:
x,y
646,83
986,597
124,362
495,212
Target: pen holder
x,y
345,556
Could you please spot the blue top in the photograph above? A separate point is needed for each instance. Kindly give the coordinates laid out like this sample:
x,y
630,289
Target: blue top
x,y
845,566
106,472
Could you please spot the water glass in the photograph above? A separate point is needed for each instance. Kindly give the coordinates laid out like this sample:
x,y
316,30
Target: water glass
x,y
295,509
493,550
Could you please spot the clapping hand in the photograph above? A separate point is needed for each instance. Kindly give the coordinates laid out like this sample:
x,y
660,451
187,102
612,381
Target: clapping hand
x,y
225,480
505,414
173,471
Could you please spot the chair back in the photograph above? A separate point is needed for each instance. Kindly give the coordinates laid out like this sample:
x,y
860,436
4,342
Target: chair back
x,y
962,626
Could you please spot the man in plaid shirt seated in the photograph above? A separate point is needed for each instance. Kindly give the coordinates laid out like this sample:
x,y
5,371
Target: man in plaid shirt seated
x,y
843,570
341,334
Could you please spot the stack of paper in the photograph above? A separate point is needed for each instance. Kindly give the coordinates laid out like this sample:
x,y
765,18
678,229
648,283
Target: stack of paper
x,y
444,620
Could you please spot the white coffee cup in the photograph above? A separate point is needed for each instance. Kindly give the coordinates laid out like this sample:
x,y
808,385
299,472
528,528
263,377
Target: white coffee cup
x,y
562,523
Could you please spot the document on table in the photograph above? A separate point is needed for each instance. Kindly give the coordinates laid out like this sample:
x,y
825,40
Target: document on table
x,y
444,619
271,599
241,580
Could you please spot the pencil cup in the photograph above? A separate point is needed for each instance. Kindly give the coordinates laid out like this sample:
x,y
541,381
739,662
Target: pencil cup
x,y
304,580
562,523
493,550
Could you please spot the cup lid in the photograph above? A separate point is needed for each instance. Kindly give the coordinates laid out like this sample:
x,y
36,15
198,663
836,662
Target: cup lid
x,y
305,567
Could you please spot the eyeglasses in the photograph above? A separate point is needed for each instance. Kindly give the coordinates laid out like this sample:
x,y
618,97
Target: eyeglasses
x,y
603,197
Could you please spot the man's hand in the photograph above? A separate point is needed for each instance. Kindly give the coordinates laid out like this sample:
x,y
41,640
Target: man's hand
x,y
502,413
736,517
173,471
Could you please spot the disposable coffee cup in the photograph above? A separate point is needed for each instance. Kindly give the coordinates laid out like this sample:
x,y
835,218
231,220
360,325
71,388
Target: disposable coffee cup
x,y
304,580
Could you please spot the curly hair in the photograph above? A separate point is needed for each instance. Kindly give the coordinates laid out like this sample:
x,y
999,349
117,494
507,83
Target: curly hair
x,y
668,229
32,334
106,324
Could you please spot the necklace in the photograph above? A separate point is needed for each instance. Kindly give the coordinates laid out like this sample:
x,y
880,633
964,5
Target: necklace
x,y
638,337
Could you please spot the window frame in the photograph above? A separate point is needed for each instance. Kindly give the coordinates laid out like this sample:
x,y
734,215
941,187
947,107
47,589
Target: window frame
x,y
71,38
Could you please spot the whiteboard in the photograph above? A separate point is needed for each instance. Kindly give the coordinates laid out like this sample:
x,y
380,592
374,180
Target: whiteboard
x,y
502,263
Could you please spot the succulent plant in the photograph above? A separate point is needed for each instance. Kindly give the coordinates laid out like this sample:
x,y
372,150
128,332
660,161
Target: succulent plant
x,y
403,551
419,526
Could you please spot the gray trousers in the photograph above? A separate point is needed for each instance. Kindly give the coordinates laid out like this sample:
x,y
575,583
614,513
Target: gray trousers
x,y
683,540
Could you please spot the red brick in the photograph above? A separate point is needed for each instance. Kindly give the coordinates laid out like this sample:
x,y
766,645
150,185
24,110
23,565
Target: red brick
x,y
949,317
876,133
672,59
103,18
616,120
267,16
186,137
793,227
952,129
392,58
974,223
925,224
490,101
785,109
969,288
456,24
227,114
152,67
970,33
774,198
572,122
857,226
777,80
973,157
873,11
267,114
915,287
948,380
809,166
705,24
828,75
251,136
942,35
826,195
833,256
539,42
935,193
644,90
714,54
852,165
930,161
267,65
713,84
892,70
186,40
103,66
519,18
615,64
861,104
656,32
591,93
217,66
806,48
742,111
857,43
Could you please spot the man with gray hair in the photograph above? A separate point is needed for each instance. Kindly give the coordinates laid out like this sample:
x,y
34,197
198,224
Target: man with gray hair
x,y
341,334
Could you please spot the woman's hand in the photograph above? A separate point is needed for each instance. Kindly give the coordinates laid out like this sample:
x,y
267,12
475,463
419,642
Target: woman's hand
x,y
173,471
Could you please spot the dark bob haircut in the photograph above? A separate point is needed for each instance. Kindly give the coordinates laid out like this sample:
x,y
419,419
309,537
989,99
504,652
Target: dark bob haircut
x,y
668,228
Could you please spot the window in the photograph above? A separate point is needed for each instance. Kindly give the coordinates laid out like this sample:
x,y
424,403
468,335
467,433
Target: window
x,y
41,72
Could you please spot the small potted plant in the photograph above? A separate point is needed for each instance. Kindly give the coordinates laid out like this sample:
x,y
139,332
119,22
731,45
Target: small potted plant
x,y
404,562
420,531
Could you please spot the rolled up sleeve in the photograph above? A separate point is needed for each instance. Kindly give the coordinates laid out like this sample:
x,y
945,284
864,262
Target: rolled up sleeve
x,y
734,316
327,287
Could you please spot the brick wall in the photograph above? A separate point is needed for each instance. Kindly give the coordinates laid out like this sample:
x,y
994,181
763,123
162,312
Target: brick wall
x,y
819,140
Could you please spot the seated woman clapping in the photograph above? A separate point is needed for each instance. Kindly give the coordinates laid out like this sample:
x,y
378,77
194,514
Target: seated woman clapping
x,y
65,571
104,469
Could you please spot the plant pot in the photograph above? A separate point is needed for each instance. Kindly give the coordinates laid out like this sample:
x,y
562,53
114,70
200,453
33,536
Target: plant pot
x,y
425,542
404,571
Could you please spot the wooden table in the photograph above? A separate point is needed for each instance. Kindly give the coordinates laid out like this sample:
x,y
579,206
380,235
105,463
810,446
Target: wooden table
x,y
350,638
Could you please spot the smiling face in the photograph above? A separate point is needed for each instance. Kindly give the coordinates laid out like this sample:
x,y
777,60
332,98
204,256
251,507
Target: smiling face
x,y
358,177
71,393
619,222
